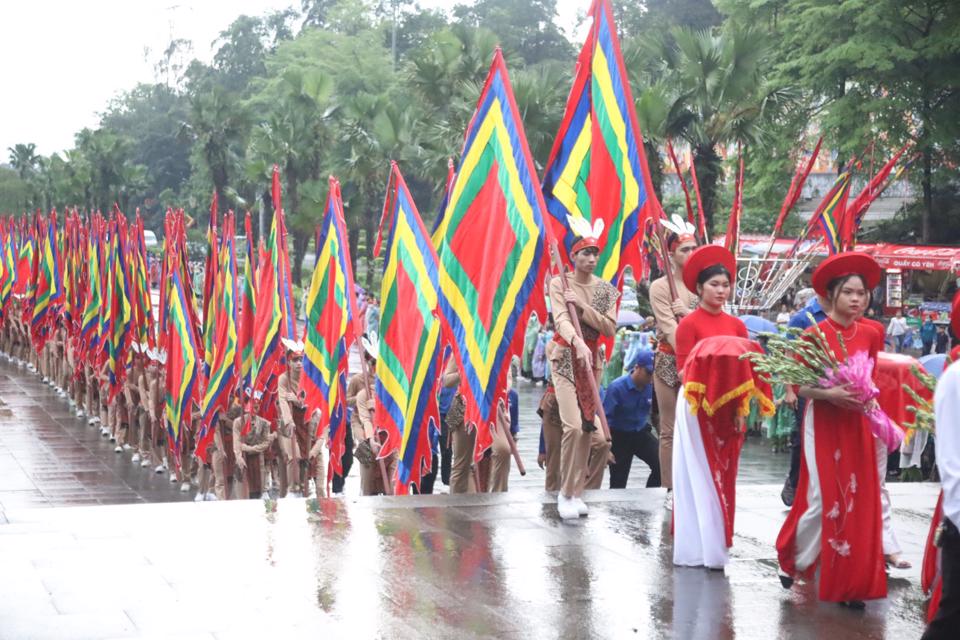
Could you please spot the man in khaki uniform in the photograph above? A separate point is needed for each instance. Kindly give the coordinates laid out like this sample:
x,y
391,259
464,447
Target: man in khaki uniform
x,y
462,441
248,449
667,312
583,455
291,413
552,435
371,479
501,456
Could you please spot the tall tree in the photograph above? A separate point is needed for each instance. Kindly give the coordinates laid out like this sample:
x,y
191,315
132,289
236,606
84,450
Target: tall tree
x,y
528,29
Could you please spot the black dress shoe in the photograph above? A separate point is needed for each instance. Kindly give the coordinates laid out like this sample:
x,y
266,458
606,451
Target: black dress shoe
x,y
785,581
858,605
788,493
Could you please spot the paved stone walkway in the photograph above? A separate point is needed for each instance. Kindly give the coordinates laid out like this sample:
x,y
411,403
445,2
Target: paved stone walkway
x,y
499,566
481,566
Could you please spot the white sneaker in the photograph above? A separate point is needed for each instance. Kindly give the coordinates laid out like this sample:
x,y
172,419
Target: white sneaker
x,y
127,447
146,463
135,459
567,508
118,449
173,478
79,413
185,487
93,420
582,508
668,501
196,498
210,497
160,469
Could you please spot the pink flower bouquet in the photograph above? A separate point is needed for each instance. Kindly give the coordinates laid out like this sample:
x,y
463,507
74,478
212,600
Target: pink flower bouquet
x,y
807,360
856,372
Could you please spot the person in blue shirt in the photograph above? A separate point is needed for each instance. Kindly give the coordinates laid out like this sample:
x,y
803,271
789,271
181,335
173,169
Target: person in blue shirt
x,y
626,403
928,334
445,399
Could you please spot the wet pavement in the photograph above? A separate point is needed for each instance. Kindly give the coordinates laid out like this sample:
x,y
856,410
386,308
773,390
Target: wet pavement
x,y
50,457
473,566
501,566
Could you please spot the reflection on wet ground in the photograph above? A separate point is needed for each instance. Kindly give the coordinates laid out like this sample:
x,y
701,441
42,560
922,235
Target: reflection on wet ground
x,y
499,566
49,457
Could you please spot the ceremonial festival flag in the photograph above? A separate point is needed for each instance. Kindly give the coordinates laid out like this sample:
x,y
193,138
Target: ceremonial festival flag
x,y
117,306
209,284
183,358
597,168
90,320
732,240
331,327
491,254
223,376
48,289
408,362
248,300
796,188
274,310
829,214
858,208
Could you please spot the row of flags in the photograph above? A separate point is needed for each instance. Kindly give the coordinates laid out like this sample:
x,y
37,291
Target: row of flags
x,y
463,290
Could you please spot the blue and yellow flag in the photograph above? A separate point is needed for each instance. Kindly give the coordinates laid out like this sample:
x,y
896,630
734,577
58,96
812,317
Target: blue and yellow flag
x,y
597,169
222,380
408,363
331,326
492,251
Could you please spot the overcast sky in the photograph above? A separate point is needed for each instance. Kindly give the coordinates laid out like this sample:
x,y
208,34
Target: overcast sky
x,y
63,60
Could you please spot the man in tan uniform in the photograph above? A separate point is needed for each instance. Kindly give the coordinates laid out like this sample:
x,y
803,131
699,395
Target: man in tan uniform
x,y
291,414
552,435
462,441
501,456
248,450
371,478
583,454
667,311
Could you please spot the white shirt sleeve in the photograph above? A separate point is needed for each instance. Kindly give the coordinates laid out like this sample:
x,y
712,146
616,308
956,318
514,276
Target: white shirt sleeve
x,y
946,403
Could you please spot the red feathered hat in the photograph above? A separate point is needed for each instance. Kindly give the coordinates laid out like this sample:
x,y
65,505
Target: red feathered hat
x,y
705,257
845,264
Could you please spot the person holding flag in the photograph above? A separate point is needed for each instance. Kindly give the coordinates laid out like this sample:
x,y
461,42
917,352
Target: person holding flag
x,y
583,449
369,441
291,411
671,301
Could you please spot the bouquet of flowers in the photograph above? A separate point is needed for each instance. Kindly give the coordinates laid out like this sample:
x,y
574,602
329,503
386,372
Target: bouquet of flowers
x,y
807,360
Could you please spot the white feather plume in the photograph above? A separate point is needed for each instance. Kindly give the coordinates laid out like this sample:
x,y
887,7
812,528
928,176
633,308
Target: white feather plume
x,y
678,225
597,228
579,225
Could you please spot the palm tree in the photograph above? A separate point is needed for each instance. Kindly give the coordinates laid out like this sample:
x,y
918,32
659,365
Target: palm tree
x,y
218,125
25,161
295,134
710,89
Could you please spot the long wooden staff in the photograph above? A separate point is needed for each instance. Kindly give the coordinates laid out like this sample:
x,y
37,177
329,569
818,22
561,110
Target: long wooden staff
x,y
513,445
575,321
516,453
387,487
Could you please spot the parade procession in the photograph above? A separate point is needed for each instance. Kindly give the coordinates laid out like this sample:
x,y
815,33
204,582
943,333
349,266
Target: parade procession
x,y
450,428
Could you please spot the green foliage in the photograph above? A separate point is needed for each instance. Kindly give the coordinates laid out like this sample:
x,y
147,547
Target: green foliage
x,y
322,90
14,191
